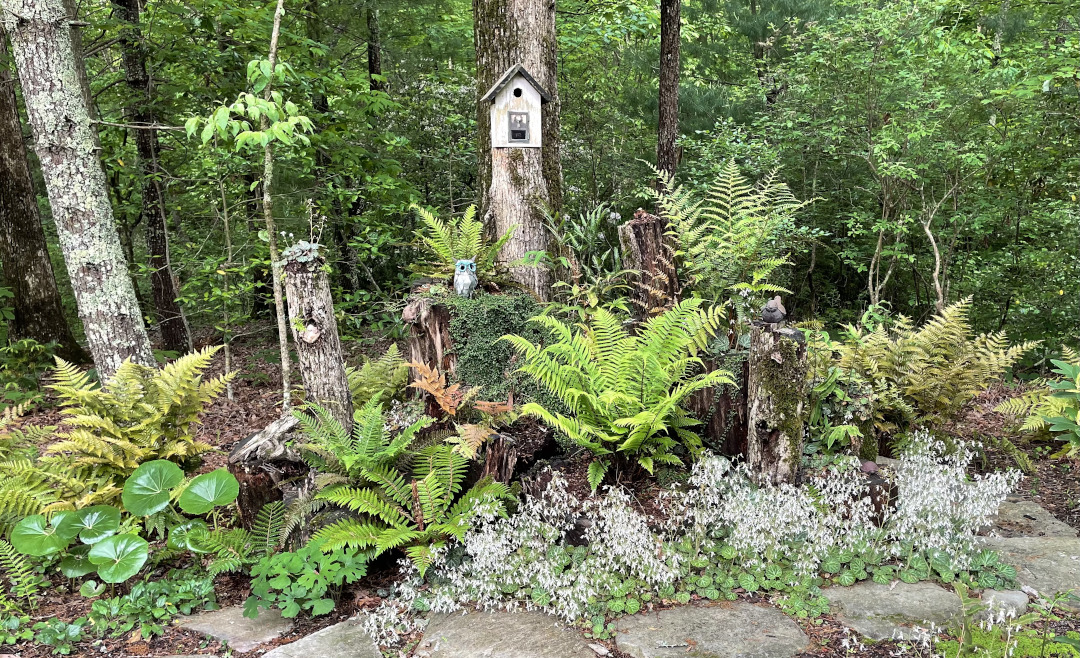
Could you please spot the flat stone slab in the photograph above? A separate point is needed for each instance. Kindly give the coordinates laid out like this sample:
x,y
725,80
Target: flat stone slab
x,y
735,630
882,612
229,625
1023,518
345,640
1049,565
501,635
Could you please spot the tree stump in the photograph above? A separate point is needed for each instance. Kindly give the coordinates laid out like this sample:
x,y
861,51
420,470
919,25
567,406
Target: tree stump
x,y
776,398
265,466
646,250
314,330
723,410
429,335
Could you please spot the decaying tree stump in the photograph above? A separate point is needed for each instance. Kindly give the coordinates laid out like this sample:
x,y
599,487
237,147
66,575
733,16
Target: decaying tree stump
x,y
429,335
776,399
723,410
265,466
315,334
646,249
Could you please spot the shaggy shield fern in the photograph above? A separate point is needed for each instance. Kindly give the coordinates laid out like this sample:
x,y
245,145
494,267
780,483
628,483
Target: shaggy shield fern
x,y
624,393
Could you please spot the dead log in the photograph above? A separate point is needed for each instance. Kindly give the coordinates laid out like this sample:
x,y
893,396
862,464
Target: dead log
x,y
723,410
647,250
776,395
265,466
315,333
429,335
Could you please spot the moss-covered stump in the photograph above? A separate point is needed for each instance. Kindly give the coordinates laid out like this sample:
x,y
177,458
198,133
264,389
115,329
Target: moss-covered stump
x,y
776,399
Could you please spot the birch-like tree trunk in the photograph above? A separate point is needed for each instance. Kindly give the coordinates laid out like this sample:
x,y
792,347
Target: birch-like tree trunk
x,y
518,184
65,144
668,121
28,271
166,290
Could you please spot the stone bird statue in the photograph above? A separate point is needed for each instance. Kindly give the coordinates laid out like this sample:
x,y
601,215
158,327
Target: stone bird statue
x,y
774,312
465,278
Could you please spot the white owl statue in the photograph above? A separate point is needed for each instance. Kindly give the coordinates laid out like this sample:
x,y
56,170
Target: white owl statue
x,y
465,277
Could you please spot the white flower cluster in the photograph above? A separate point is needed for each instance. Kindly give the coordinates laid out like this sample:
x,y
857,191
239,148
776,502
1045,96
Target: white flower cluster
x,y
937,505
830,512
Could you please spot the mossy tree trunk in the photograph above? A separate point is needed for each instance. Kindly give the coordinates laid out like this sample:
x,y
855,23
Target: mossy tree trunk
x,y
175,334
315,334
66,146
517,185
39,312
776,398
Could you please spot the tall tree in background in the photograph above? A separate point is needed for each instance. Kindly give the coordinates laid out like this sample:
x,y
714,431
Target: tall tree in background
x,y
374,48
166,290
529,181
66,147
28,271
668,124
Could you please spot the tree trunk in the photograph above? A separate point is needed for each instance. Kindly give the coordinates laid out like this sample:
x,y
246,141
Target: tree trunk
x,y
668,123
315,334
776,397
175,334
723,410
518,184
39,313
65,144
374,48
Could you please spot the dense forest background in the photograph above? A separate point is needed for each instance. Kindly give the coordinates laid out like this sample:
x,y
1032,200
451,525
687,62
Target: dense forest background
x,y
937,143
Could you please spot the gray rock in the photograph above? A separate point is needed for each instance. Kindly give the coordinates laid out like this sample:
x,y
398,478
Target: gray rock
x,y
1012,602
600,649
229,625
881,612
739,630
1023,518
344,640
501,635
1049,565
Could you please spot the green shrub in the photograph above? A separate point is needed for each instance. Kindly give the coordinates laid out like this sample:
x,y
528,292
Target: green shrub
x,y
59,635
308,579
624,392
151,604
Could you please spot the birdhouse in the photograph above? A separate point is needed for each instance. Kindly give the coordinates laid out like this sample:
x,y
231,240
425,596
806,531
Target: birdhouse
x,y
516,99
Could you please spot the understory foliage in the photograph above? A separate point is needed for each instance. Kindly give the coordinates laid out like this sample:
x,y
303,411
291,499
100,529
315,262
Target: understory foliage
x,y
723,532
459,238
624,392
923,375
731,242
413,500
381,379
1052,404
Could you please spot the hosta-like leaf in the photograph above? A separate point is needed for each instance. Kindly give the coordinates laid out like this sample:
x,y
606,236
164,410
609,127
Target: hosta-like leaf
x,y
119,557
92,524
77,564
36,536
208,491
146,492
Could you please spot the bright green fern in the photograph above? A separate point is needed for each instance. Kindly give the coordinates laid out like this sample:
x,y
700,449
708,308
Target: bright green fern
x,y
460,238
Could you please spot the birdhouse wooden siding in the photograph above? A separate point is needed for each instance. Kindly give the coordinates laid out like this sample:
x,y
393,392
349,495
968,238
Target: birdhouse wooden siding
x,y
516,105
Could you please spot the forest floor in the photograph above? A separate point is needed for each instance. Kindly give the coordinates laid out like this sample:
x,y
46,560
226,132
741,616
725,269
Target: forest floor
x,y
256,402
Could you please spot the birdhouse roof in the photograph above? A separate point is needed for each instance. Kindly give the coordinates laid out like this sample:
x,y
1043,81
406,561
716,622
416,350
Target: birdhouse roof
x,y
545,96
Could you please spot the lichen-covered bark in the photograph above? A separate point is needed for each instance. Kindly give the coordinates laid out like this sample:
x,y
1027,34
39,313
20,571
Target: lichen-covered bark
x,y
776,397
668,123
315,334
175,334
28,271
516,185
65,144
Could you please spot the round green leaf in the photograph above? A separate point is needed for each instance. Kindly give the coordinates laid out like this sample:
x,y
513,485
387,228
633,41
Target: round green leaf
x,y
146,492
92,588
184,536
119,557
92,524
208,491
36,536
77,564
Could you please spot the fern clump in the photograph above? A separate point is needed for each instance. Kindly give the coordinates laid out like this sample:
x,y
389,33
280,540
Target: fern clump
x,y
381,379
142,414
1040,402
404,499
923,375
731,242
623,392
460,238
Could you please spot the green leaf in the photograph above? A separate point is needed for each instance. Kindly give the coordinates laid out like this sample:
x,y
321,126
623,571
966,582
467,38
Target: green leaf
x,y
119,557
184,536
92,524
92,588
77,564
208,491
146,492
191,125
37,537
207,133
322,606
